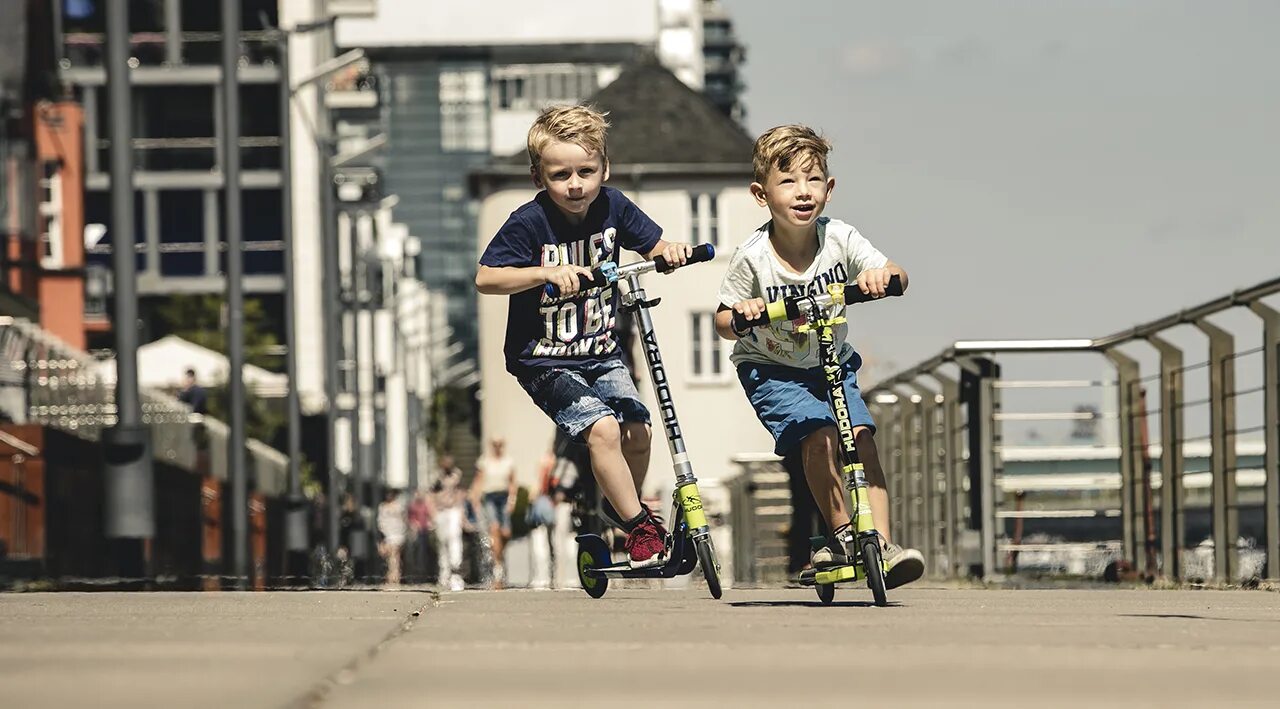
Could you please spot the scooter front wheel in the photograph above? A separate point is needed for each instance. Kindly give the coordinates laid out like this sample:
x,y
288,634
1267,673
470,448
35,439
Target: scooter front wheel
x,y
873,564
710,567
593,553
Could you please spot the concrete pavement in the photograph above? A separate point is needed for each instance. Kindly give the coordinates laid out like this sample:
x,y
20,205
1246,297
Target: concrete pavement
x,y
763,647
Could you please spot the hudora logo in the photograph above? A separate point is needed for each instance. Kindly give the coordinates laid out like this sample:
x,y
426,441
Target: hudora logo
x,y
660,385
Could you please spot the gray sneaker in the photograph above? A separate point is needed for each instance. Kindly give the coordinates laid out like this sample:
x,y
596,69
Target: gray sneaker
x,y
825,558
904,565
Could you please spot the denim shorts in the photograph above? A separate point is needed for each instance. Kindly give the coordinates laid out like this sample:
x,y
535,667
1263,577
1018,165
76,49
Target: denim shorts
x,y
579,396
495,508
792,402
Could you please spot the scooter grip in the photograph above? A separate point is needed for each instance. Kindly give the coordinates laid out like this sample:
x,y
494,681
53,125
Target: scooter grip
x,y
775,311
742,324
701,252
853,295
586,282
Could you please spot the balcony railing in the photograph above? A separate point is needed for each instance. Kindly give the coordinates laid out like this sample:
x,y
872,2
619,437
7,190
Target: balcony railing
x,y
88,49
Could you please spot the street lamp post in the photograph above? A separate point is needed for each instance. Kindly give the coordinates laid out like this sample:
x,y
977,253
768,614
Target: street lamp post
x,y
235,289
130,507
296,531
330,288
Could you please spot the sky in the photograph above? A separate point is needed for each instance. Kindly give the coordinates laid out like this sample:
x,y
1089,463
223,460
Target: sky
x,y
1059,168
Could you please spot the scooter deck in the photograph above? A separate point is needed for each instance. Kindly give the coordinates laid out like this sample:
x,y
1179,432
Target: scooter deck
x,y
831,574
667,569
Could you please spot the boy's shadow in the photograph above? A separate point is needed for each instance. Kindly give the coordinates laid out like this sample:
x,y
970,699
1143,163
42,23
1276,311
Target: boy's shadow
x,y
815,603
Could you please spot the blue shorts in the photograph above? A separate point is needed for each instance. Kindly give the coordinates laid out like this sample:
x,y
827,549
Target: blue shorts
x,y
577,397
495,508
792,403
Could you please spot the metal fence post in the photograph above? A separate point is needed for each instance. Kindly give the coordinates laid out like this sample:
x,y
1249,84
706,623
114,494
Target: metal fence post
x,y
908,468
1130,457
1222,459
1271,432
951,441
1172,517
929,450
977,386
887,444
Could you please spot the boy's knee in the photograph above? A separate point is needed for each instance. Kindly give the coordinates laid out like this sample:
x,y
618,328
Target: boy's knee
x,y
604,433
821,441
636,438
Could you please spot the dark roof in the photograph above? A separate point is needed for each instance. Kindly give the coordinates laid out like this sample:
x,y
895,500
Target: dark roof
x,y
656,119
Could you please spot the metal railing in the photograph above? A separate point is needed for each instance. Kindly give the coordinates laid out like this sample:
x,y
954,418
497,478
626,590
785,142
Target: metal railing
x,y
43,380
942,430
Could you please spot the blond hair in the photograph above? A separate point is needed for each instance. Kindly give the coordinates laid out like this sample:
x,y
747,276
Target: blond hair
x,y
788,146
582,125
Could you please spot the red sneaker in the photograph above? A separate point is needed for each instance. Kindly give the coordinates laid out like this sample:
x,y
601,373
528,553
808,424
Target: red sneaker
x,y
646,545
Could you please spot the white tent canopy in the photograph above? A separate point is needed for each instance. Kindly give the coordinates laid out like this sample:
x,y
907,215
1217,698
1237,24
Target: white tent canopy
x,y
162,364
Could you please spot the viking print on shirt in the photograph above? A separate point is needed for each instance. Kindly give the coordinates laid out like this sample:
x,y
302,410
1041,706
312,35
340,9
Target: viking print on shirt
x,y
583,323
781,339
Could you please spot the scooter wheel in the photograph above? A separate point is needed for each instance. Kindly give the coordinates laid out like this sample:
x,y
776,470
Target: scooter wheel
x,y
873,564
710,567
826,592
593,553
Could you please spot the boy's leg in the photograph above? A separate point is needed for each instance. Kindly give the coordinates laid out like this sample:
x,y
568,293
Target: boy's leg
x,y
588,402
877,490
904,565
636,444
822,470
819,455
612,469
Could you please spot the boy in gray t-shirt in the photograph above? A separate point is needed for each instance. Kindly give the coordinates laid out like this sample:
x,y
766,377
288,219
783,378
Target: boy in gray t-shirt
x,y
796,252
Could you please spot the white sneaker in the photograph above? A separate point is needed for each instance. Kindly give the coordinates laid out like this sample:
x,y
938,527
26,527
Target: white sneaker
x,y
825,558
904,565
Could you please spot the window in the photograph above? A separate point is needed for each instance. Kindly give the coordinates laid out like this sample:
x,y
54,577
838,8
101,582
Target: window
x,y
704,219
709,354
525,87
51,213
463,119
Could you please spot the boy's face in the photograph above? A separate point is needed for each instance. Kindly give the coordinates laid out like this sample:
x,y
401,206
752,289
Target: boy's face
x,y
572,177
797,197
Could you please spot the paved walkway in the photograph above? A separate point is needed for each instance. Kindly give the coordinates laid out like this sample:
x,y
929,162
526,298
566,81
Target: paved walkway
x,y
640,647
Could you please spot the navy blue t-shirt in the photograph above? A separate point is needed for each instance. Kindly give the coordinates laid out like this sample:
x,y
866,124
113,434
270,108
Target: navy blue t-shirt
x,y
544,331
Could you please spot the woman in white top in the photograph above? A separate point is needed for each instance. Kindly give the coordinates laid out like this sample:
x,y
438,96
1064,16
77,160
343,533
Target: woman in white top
x,y
495,476
392,526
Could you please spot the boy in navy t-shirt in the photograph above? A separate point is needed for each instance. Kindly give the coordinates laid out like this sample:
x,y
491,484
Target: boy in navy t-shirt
x,y
563,350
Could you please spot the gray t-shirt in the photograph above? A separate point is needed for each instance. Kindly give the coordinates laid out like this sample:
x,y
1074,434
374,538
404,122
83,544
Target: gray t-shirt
x,y
755,272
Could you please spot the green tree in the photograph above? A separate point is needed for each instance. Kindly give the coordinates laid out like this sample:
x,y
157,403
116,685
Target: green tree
x,y
199,319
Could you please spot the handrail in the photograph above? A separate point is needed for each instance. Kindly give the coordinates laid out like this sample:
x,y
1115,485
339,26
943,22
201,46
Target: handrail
x,y
1239,298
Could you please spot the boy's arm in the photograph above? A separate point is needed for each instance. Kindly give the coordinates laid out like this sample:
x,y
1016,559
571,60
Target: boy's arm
x,y
505,280
738,293
674,253
875,281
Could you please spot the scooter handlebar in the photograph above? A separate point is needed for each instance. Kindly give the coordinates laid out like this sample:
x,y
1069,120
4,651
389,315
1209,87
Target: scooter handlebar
x,y
788,309
701,252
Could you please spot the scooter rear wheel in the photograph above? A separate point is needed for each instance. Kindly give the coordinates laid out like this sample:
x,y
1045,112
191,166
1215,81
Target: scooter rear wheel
x,y
826,593
710,567
592,553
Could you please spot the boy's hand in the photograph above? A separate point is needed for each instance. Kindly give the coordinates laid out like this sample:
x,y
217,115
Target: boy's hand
x,y
566,277
874,281
677,254
751,308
